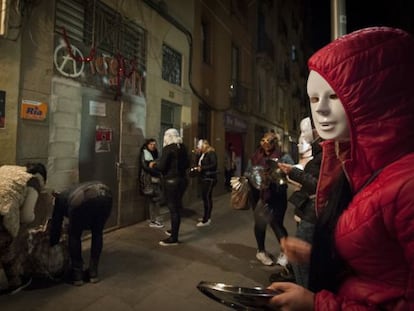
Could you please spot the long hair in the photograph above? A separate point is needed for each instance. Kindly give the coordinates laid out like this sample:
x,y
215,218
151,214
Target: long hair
x,y
171,136
327,268
205,144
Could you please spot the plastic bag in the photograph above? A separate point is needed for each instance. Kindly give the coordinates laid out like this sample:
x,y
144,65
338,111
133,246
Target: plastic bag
x,y
240,194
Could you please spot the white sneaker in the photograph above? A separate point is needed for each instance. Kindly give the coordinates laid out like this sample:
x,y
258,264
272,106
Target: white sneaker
x,y
264,258
282,260
203,224
156,224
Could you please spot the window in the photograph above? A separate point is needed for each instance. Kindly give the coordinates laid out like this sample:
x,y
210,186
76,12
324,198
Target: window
x,y
235,55
171,65
234,71
206,42
203,121
170,117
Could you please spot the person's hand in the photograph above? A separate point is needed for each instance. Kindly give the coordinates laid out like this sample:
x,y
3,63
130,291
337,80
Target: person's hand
x,y
199,168
152,164
286,168
293,297
296,250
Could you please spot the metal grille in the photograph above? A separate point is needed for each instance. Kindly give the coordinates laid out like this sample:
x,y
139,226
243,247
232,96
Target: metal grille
x,y
71,16
102,27
171,65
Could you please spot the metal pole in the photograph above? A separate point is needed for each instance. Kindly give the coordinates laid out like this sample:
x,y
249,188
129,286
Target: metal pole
x,y
338,18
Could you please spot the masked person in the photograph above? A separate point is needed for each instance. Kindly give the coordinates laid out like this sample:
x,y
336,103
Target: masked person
x,y
362,256
87,207
271,196
305,175
173,164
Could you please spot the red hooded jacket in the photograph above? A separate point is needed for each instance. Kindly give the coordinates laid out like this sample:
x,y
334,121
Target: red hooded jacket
x,y
372,72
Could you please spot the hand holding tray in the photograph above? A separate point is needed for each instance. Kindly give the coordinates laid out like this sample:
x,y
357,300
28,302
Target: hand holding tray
x,y
238,298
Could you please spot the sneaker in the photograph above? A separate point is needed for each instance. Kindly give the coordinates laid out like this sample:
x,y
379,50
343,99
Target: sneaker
x,y
168,232
204,223
264,258
167,242
26,281
92,273
156,224
282,260
77,278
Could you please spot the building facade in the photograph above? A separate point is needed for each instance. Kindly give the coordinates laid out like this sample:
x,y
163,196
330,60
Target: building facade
x,y
84,82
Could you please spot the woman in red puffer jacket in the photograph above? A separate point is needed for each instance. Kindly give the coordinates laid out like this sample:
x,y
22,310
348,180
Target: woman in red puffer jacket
x,y
361,95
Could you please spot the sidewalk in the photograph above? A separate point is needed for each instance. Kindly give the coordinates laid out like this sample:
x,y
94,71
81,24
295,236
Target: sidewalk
x,y
138,274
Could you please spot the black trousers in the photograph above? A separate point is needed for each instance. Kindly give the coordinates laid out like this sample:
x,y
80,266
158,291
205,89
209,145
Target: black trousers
x,y
207,185
174,191
271,212
90,215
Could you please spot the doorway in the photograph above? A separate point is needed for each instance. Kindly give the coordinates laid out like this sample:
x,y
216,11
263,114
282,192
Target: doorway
x,y
99,146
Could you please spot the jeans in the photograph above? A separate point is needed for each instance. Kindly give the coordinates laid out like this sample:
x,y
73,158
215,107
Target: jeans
x,y
90,215
207,185
304,232
174,192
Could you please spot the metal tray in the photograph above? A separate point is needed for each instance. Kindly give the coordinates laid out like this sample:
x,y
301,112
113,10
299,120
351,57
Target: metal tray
x,y
238,298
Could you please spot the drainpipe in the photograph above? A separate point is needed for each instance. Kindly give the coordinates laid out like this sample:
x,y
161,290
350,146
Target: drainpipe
x,y
338,18
160,10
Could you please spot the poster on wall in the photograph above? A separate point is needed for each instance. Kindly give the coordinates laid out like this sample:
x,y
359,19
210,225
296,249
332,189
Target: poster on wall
x,y
33,110
2,109
97,109
103,139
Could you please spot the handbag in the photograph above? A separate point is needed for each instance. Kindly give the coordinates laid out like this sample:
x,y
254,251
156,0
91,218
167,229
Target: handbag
x,y
240,198
146,185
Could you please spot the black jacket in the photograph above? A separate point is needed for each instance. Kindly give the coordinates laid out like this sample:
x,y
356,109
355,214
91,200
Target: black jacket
x,y
308,178
209,165
174,161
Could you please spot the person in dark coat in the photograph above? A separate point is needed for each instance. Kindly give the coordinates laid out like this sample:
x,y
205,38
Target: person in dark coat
x,y
271,197
88,207
150,181
305,214
173,164
207,168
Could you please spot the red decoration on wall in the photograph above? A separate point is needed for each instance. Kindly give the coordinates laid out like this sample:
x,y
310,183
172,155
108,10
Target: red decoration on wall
x,y
87,59
122,71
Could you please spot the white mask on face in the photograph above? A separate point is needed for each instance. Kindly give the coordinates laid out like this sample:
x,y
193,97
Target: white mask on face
x,y
328,112
303,146
306,136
